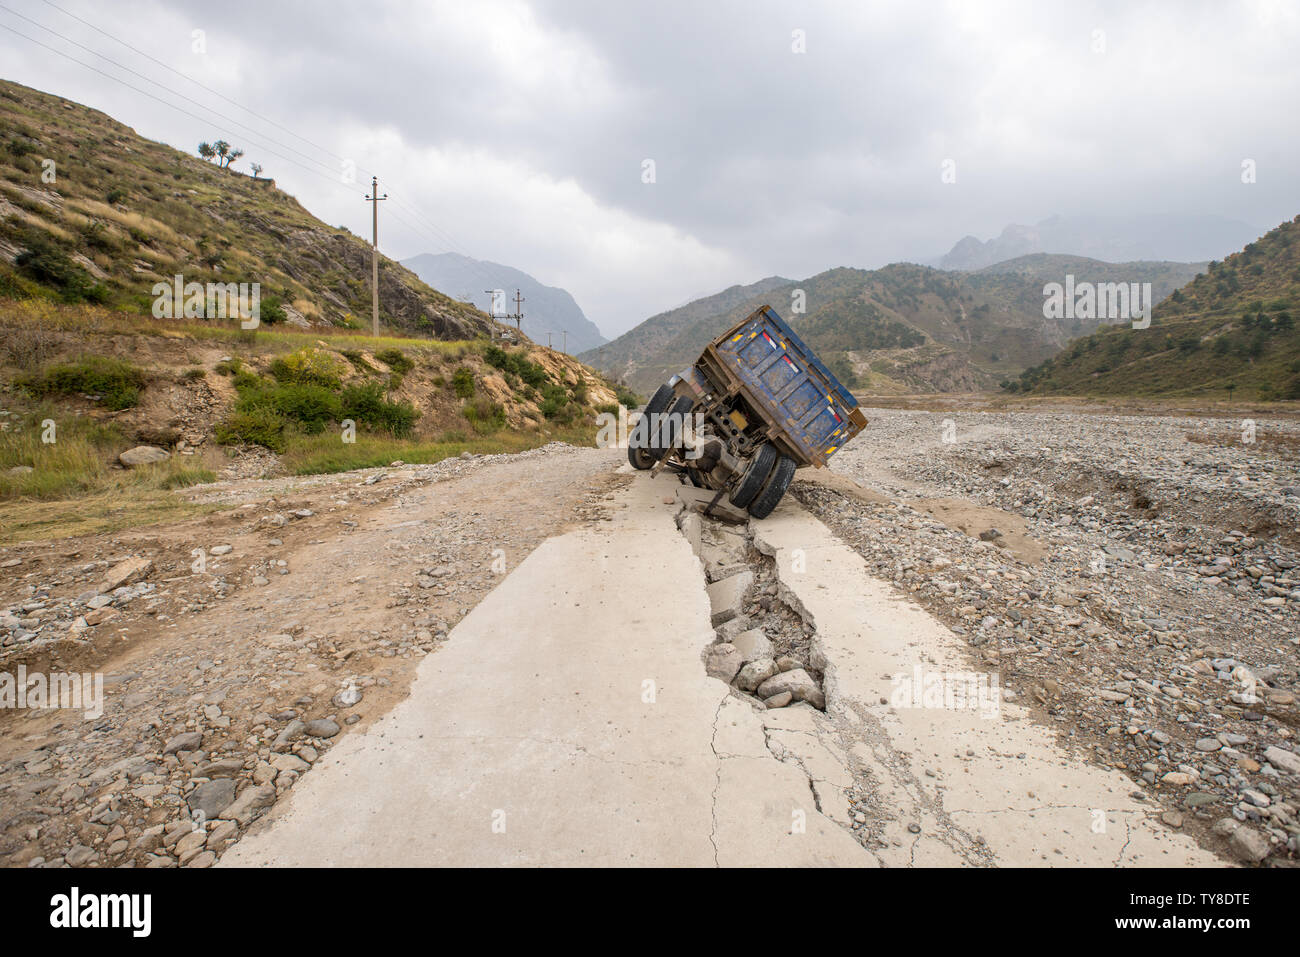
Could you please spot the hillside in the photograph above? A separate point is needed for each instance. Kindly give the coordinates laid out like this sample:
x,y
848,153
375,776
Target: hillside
x,y
546,308
1232,329
124,213
902,328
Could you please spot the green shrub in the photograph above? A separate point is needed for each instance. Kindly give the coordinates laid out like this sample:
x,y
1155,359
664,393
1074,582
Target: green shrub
x,y
396,360
117,383
260,426
516,364
308,367
115,196
193,375
462,382
366,404
310,406
45,262
270,311
485,415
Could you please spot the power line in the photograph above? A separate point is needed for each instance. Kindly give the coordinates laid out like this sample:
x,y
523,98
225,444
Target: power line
x,y
439,237
149,79
445,238
186,76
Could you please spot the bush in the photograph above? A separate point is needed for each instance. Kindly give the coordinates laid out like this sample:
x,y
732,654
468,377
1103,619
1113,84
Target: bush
x,y
255,427
117,383
48,264
308,367
310,406
462,382
396,360
366,404
516,364
485,415
270,311
115,196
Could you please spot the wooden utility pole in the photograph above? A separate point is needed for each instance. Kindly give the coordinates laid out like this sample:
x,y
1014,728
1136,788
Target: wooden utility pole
x,y
374,199
519,315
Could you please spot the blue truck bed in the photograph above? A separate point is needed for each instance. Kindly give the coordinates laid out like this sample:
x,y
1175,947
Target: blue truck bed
x,y
809,414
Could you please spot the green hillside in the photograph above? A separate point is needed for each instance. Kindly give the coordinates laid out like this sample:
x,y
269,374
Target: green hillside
x,y
92,212
1231,330
903,327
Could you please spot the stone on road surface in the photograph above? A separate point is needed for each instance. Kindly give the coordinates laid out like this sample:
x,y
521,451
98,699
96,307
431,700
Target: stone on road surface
x,y
567,721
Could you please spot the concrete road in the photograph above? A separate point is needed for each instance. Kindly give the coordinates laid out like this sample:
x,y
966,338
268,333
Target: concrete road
x,y
568,720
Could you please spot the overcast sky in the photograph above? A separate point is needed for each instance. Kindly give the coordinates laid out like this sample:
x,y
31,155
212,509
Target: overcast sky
x,y
518,131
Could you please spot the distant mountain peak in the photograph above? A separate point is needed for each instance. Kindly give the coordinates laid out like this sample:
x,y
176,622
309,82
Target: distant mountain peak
x,y
1172,238
545,308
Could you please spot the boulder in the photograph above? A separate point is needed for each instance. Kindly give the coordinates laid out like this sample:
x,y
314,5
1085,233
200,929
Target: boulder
x,y
124,572
755,673
143,455
796,681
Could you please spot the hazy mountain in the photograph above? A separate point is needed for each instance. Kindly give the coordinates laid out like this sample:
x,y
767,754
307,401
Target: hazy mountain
x,y
900,328
1234,325
647,352
1111,239
546,308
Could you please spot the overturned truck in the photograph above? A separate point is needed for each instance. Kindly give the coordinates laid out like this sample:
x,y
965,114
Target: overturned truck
x,y
755,406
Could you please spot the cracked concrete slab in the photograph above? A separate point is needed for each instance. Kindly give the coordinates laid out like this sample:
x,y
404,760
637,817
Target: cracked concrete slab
x,y
948,785
568,720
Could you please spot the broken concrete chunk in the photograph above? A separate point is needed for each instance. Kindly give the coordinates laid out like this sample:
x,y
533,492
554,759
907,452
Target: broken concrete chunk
x,y
752,645
722,662
725,597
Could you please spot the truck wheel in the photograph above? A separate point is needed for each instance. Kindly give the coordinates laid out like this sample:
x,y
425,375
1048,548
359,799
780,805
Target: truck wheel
x,y
671,432
638,454
776,485
752,479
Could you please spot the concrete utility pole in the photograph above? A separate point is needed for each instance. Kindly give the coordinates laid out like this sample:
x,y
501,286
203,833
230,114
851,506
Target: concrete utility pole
x,y
519,315
374,199
566,342
548,340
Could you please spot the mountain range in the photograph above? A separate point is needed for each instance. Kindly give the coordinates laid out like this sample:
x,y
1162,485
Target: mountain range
x,y
1234,327
901,328
545,308
1182,238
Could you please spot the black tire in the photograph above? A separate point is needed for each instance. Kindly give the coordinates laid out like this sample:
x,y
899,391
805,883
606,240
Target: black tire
x,y
638,455
671,431
752,479
776,485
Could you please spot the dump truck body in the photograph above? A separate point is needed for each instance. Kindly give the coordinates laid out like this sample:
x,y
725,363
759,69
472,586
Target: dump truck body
x,y
756,405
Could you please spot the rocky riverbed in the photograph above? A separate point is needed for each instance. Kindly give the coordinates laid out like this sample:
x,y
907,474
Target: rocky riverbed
x,y
1134,579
